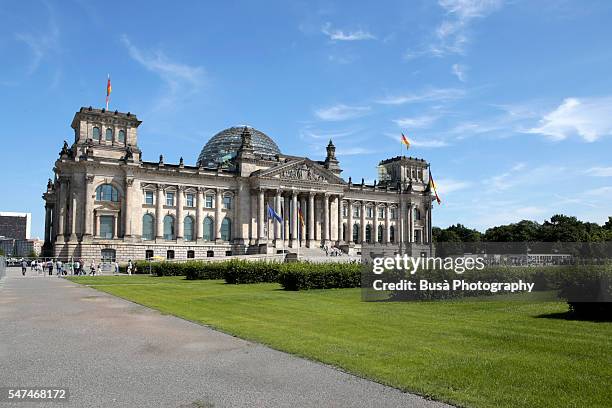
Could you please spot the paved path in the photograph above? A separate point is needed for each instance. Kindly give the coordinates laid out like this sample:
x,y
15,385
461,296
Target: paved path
x,y
113,353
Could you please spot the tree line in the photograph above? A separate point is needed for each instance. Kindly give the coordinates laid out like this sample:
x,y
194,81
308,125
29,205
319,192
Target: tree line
x,y
560,228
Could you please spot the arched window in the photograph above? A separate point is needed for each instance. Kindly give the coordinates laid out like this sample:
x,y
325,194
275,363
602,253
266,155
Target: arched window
x,y
122,136
169,228
208,229
368,233
188,229
148,227
380,233
107,192
392,234
226,229
356,232
96,133
109,135
417,214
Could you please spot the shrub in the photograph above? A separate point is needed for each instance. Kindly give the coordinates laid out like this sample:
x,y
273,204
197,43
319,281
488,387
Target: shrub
x,y
305,275
588,291
241,271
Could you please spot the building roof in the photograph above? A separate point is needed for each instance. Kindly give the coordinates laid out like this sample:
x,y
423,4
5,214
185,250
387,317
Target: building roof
x,y
227,142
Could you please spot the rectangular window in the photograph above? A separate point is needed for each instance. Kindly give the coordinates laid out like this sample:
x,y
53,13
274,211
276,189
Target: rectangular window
x,y
107,226
190,200
170,254
345,211
370,212
227,203
392,213
191,254
356,212
208,202
381,213
149,197
210,254
148,254
170,199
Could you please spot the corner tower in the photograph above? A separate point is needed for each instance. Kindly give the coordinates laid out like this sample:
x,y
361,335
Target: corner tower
x,y
107,134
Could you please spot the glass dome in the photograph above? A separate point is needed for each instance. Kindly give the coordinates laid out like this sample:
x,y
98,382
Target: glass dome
x,y
225,144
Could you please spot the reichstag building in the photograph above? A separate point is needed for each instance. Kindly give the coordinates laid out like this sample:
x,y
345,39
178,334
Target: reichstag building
x,y
105,202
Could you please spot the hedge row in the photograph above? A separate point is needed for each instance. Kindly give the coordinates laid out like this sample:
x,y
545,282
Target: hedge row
x,y
302,276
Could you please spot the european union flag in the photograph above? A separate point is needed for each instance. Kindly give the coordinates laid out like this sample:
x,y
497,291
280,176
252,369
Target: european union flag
x,y
273,214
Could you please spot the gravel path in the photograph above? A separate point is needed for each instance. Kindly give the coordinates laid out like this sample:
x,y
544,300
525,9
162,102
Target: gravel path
x,y
113,353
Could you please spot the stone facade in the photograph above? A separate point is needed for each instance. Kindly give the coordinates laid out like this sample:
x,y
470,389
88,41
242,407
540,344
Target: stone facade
x,y
105,202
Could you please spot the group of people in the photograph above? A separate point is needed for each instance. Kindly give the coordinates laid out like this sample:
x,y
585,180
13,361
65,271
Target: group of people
x,y
332,251
77,267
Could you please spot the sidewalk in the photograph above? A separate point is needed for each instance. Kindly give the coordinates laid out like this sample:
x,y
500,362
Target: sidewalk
x,y
113,353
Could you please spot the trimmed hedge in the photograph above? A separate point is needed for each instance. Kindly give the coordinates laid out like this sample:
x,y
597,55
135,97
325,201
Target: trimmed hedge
x,y
588,291
305,275
241,271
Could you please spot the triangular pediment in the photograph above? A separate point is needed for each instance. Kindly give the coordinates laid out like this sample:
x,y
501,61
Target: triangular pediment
x,y
304,170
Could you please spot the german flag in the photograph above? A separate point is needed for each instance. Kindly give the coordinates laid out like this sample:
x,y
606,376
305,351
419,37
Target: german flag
x,y
432,184
109,89
405,141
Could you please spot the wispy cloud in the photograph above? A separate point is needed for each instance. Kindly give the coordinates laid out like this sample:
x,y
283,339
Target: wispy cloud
x,y
589,118
459,71
41,43
181,80
315,134
419,122
453,33
339,35
341,112
424,143
446,186
599,171
431,95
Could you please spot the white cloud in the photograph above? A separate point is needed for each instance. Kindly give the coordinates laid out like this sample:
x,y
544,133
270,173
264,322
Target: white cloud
x,y
419,122
446,186
41,44
341,112
589,118
339,35
424,143
182,80
459,71
353,151
452,34
600,192
325,135
431,95
600,171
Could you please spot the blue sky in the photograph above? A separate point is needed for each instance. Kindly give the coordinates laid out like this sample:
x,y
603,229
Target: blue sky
x,y
510,101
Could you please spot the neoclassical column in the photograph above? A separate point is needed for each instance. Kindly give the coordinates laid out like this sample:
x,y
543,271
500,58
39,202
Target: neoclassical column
x,y
218,205
73,209
61,210
294,220
311,220
127,212
387,238
261,234
363,222
87,207
47,224
340,220
326,219
115,226
375,224
200,214
411,222
287,218
180,222
349,229
159,230
277,207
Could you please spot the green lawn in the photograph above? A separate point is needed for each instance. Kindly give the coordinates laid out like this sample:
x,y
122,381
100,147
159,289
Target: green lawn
x,y
469,353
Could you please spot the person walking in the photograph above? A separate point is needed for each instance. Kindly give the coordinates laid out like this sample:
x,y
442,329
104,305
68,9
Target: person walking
x,y
50,266
24,267
116,265
77,266
129,267
92,268
59,266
